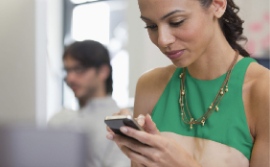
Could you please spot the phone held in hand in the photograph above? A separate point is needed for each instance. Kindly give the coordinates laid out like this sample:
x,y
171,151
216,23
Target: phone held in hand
x,y
117,121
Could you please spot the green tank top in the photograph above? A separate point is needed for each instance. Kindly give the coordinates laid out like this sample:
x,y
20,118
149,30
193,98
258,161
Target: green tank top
x,y
227,126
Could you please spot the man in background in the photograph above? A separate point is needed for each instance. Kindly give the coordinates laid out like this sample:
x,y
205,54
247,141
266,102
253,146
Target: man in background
x,y
89,75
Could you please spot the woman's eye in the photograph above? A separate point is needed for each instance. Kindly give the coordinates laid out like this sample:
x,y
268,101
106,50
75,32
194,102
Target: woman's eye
x,y
176,24
151,27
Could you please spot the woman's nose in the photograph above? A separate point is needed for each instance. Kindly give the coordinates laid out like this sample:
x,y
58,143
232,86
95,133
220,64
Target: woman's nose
x,y
165,37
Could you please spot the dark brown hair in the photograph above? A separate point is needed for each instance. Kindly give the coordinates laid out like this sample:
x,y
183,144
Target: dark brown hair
x,y
231,25
89,54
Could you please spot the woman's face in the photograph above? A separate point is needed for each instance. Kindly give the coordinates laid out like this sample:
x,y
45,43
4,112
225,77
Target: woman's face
x,y
181,29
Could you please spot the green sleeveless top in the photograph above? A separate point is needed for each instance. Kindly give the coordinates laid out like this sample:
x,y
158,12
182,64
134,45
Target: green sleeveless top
x,y
227,126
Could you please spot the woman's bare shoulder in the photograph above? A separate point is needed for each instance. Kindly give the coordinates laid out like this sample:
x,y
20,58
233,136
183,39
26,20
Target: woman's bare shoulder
x,y
158,74
150,87
258,80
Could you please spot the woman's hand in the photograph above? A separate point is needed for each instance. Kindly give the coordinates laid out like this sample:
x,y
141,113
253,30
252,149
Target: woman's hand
x,y
150,148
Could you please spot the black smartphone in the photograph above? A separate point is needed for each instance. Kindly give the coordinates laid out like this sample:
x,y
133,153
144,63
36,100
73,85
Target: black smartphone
x,y
115,122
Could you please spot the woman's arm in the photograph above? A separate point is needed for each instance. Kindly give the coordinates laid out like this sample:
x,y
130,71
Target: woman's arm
x,y
148,90
259,101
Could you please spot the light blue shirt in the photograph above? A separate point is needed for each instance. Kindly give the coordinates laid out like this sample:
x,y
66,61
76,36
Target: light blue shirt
x,y
90,120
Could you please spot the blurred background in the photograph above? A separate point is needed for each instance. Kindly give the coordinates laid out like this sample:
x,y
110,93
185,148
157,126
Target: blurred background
x,y
34,33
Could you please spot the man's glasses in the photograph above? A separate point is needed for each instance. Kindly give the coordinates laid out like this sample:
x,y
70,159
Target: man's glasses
x,y
79,70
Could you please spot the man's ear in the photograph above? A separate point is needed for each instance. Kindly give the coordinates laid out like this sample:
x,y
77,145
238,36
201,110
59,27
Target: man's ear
x,y
219,7
104,72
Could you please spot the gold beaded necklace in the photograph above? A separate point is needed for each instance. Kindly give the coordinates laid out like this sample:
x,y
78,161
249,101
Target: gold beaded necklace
x,y
213,106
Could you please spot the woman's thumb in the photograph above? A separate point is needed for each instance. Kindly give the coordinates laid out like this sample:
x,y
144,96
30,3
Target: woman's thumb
x,y
150,126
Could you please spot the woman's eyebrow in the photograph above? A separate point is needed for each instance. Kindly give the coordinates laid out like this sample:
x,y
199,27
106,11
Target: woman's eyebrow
x,y
163,17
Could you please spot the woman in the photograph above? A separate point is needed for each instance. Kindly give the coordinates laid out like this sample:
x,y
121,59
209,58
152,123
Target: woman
x,y
211,107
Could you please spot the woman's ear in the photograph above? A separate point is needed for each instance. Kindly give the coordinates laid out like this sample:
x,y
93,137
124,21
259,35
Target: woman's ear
x,y
219,7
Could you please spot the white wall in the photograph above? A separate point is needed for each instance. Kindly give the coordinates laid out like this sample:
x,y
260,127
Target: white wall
x,y
17,60
54,57
22,69
256,26
40,48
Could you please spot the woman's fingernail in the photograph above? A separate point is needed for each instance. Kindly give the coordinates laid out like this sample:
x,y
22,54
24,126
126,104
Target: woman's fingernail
x,y
123,129
140,116
109,136
140,121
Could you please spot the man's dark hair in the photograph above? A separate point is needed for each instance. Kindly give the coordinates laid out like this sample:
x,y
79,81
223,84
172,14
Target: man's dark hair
x,y
89,54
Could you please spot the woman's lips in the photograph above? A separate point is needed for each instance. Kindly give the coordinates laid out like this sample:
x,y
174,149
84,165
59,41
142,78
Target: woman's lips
x,y
174,54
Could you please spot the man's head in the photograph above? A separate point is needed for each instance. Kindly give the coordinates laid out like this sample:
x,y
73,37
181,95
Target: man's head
x,y
89,73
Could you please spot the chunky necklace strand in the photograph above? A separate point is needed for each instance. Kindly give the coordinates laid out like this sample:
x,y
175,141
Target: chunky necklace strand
x,y
213,106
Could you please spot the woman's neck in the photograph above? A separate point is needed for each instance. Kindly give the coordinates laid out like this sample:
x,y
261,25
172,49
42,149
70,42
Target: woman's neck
x,y
213,62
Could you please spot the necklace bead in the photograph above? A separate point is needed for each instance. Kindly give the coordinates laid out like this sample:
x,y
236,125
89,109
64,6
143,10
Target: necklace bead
x,y
227,88
183,93
216,108
221,91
